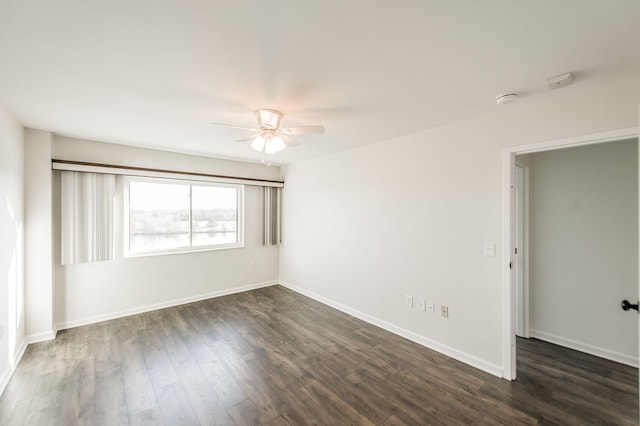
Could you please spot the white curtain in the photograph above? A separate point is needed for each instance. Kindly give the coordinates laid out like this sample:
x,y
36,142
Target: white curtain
x,y
87,217
271,215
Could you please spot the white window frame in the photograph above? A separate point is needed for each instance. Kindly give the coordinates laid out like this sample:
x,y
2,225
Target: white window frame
x,y
240,217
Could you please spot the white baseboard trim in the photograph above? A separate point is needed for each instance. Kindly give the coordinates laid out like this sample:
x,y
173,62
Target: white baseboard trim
x,y
474,361
20,353
41,337
6,375
583,347
153,307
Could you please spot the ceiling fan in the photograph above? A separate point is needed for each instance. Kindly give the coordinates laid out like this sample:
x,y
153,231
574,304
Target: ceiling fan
x,y
269,138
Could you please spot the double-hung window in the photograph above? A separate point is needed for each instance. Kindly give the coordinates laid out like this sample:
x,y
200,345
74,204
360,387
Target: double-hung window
x,y
166,216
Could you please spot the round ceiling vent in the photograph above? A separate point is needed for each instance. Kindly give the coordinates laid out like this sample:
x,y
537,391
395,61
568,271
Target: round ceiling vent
x,y
506,98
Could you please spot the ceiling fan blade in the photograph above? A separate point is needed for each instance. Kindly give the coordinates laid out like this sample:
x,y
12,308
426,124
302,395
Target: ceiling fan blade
x,y
246,139
289,141
234,126
302,130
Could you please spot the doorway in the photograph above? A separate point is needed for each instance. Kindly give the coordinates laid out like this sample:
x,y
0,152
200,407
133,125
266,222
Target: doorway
x,y
511,296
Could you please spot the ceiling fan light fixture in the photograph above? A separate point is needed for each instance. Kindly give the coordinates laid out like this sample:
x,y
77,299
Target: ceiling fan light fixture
x,y
268,143
276,144
258,143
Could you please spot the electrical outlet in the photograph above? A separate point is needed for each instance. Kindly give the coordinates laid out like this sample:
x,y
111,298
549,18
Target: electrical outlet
x,y
422,304
444,311
431,307
408,301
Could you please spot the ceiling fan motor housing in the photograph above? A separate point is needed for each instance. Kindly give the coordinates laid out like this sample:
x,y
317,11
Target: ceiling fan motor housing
x,y
268,118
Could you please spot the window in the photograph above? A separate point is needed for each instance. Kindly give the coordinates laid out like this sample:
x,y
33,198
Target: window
x,y
166,216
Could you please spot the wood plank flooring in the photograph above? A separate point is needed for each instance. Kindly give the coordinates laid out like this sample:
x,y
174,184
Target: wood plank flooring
x,y
274,357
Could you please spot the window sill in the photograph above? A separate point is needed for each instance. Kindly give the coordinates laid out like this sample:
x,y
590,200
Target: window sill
x,y
183,251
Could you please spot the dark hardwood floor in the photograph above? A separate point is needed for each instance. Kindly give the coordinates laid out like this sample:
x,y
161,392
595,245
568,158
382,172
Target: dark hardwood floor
x,y
272,356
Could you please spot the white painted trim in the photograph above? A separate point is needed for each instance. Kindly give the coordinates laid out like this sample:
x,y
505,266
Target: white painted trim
x,y
6,375
586,348
41,337
508,295
464,357
170,303
18,356
508,164
591,139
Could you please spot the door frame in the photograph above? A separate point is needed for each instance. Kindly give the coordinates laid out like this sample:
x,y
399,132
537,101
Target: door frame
x,y
508,224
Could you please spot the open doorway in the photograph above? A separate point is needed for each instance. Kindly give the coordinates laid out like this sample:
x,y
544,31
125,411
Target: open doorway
x,y
514,296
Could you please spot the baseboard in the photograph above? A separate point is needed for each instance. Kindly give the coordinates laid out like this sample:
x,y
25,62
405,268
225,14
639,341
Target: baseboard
x,y
41,337
6,375
583,347
464,357
20,353
153,307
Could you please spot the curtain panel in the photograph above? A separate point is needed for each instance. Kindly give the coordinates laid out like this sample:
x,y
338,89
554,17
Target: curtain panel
x,y
272,199
87,217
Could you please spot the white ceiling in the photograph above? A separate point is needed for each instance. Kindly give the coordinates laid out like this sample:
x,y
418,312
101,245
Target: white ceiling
x,y
155,72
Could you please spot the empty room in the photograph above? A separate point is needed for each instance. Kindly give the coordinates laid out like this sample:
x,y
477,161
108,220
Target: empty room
x,y
319,212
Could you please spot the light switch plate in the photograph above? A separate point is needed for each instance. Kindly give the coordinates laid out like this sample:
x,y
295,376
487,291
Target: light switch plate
x,y
489,249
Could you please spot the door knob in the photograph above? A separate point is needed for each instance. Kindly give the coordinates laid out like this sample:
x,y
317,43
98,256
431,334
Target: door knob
x,y
626,305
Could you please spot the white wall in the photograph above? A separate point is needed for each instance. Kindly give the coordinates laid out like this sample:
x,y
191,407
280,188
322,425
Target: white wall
x,y
12,342
38,255
91,292
583,248
410,216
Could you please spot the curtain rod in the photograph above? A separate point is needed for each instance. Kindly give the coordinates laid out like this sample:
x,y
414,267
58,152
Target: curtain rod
x,y
84,166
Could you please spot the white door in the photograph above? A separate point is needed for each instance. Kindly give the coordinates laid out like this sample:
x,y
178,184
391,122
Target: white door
x,y
521,299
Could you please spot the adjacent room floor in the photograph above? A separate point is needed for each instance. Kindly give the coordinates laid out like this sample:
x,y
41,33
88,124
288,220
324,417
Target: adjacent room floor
x,y
272,356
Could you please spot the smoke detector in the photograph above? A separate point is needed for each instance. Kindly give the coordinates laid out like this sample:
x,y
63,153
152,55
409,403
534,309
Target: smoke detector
x,y
560,80
506,98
